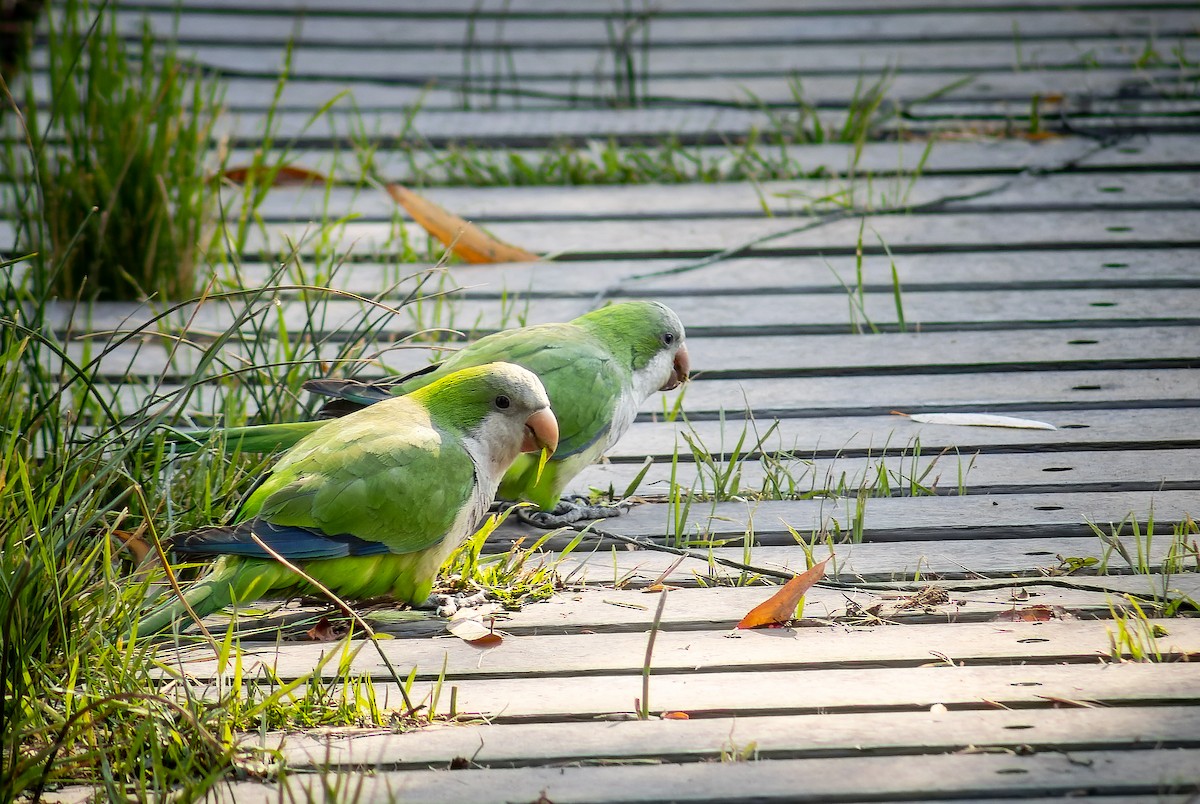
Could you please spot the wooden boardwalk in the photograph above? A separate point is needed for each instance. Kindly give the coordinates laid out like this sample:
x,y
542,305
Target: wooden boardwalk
x,y
1053,276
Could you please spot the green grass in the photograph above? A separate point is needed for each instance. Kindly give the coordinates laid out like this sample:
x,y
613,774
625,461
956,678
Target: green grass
x,y
114,201
750,463
76,478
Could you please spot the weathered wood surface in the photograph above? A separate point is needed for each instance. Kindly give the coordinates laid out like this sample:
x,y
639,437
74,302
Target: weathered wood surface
x,y
827,437
592,64
1061,285
783,692
716,8
587,609
1014,553
963,231
959,776
794,313
600,609
533,94
1078,190
863,27
725,356
787,737
824,396
981,519
950,472
1095,267
694,653
988,156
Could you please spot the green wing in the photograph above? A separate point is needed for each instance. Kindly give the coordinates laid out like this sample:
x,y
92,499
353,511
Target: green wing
x,y
384,474
581,376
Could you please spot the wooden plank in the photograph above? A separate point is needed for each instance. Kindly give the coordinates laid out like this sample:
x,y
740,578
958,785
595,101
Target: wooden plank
x,y
589,64
826,91
1093,267
1061,191
977,155
782,310
827,437
748,693
745,356
699,237
694,652
969,776
953,472
262,29
949,558
590,609
996,392
688,124
917,272
666,8
1183,586
787,737
986,522
824,396
1007,556
778,313
742,357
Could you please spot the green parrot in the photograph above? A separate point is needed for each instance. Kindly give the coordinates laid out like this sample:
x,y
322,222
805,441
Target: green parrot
x,y
373,503
597,371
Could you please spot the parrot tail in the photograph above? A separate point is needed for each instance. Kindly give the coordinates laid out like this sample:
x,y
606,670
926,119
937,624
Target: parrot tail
x,y
231,580
259,438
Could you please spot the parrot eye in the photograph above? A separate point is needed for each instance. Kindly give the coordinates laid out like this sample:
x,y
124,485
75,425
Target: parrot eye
x,y
503,402
668,338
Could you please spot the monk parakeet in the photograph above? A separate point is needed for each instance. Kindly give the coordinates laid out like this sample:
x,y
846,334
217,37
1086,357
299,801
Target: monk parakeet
x,y
597,370
373,503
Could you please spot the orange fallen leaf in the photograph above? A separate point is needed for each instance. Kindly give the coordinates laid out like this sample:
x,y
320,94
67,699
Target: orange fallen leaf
x,y
285,176
475,633
660,587
465,239
781,606
675,716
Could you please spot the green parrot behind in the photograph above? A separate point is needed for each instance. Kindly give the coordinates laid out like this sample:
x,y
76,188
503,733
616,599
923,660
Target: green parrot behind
x,y
597,370
373,503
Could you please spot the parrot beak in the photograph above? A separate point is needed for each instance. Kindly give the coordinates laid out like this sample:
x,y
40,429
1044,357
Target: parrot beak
x,y
679,372
541,432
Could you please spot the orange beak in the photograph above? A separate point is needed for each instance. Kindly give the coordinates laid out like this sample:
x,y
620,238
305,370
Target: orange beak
x,y
541,432
679,372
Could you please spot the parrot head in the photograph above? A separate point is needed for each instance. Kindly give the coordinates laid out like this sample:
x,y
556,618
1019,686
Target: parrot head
x,y
650,334
500,407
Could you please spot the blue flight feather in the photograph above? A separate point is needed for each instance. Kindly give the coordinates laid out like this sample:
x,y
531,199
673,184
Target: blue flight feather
x,y
292,542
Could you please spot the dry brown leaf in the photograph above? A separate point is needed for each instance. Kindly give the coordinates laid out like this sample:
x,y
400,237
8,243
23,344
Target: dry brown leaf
x,y
134,543
285,176
326,631
781,606
1033,614
475,633
465,239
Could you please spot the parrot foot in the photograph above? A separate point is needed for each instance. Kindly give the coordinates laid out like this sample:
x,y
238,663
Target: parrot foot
x,y
569,511
447,605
